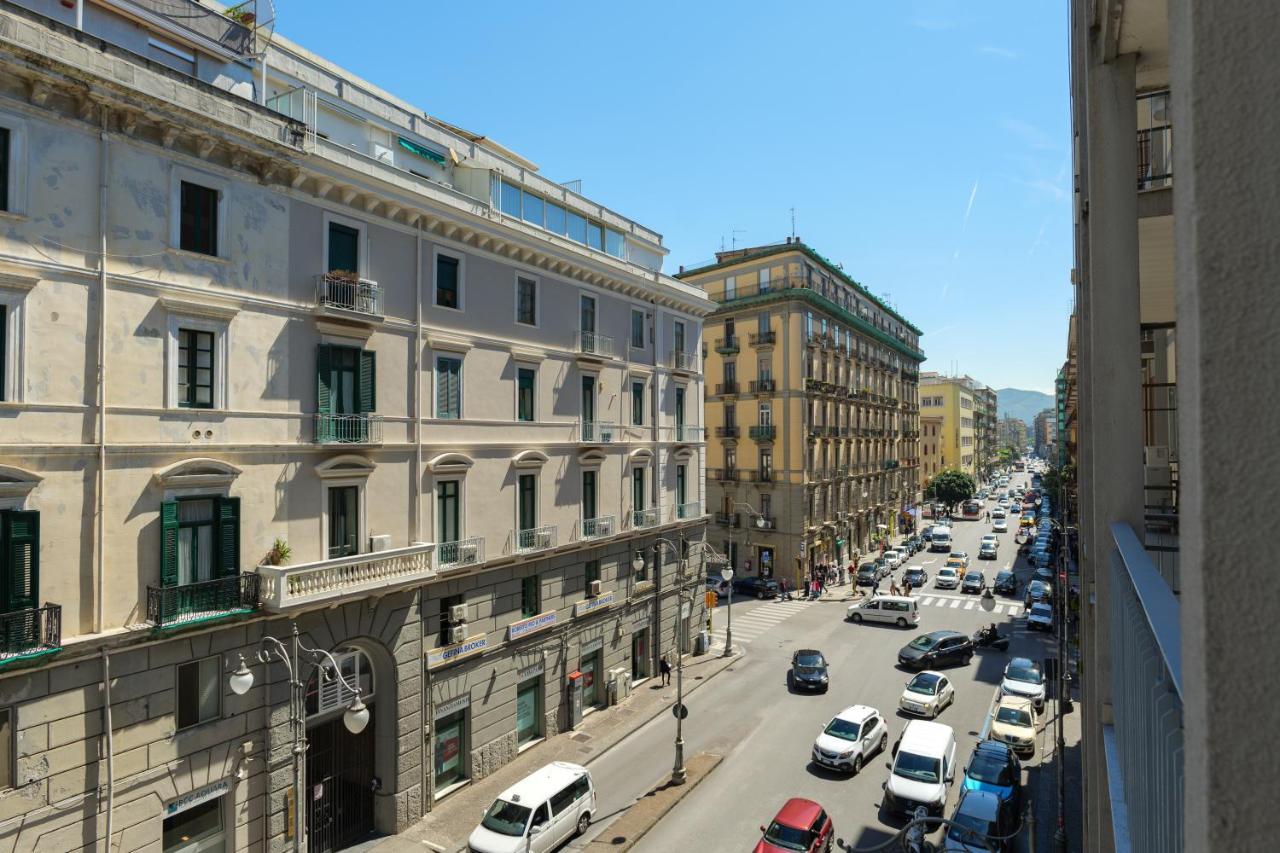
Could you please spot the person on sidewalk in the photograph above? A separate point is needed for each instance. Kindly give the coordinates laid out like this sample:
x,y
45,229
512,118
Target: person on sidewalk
x,y
664,669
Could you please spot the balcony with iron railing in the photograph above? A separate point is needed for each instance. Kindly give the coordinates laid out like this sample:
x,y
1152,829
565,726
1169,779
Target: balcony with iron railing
x,y
232,30
595,344
288,588
726,388
686,362
763,386
598,527
763,432
644,518
723,475
690,509
535,539
762,475
178,606
765,522
728,519
30,633
727,345
763,339
460,554
339,292
688,433
596,432
727,432
1155,158
347,429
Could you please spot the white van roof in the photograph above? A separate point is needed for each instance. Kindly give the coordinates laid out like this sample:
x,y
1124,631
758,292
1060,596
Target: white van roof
x,y
922,737
541,784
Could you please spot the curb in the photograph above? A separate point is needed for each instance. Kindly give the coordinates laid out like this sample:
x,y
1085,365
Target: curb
x,y
700,767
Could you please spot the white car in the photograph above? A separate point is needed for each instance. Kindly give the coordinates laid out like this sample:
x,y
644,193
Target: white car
x,y
1015,724
947,578
998,514
893,559
999,525
851,738
1022,677
1040,618
927,694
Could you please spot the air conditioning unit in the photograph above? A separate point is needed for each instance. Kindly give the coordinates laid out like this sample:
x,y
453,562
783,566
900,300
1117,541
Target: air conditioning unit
x,y
543,539
458,613
468,553
593,589
381,542
457,633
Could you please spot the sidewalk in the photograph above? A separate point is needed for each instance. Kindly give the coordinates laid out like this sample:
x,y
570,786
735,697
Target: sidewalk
x,y
446,828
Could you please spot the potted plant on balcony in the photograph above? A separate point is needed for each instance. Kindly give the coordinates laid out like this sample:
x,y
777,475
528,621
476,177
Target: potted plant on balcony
x,y
343,275
279,554
242,14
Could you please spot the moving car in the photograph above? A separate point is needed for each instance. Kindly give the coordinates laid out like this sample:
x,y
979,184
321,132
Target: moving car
x,y
948,578
900,610
922,768
978,818
999,525
868,574
1006,582
850,738
717,584
940,539
987,551
799,825
538,813
962,556
893,558
1040,618
973,581
759,587
916,576
992,538
809,670
937,648
927,693
994,768
1023,677
1014,724
998,513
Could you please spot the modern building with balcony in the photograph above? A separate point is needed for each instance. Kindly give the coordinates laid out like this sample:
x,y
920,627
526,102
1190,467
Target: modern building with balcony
x,y
815,410
1175,290
280,350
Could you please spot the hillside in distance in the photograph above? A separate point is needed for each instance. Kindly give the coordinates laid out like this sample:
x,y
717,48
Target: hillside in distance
x,y
1016,403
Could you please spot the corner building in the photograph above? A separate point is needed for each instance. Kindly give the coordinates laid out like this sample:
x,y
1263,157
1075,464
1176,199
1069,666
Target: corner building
x,y
281,350
812,407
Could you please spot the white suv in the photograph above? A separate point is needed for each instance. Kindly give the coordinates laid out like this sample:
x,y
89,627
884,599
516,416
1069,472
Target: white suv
x,y
1022,677
851,738
947,578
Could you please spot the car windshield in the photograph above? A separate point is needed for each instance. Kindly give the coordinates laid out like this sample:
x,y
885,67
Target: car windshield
x,y
918,767
924,642
988,769
787,837
968,829
810,661
973,576
924,683
948,571
843,729
1041,610
506,818
1024,672
1013,716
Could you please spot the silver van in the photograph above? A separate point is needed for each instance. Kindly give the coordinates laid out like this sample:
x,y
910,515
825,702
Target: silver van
x,y
538,813
900,610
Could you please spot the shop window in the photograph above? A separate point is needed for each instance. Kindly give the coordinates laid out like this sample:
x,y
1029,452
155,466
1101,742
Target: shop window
x,y
199,828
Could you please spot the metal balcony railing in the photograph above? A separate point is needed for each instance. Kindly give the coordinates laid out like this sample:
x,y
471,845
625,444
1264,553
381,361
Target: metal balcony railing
x,y
285,588
598,527
30,632
762,386
233,31
726,388
593,343
691,509
686,432
763,339
175,606
348,429
727,432
536,539
1155,158
596,432
644,517
1144,744
763,432
349,294
728,519
727,345
762,475
459,554
685,361
766,522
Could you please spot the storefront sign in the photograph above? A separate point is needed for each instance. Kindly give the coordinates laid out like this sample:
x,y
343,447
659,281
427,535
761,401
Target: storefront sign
x,y
451,654
532,625
589,646
198,796
530,671
603,601
457,703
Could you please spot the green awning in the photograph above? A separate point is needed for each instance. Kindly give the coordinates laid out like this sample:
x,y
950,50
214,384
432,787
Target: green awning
x,y
421,151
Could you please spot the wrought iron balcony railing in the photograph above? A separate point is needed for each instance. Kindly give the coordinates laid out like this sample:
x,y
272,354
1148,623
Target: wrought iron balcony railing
x,y
763,386
596,432
685,361
763,432
460,554
203,601
349,294
598,527
593,343
348,429
536,539
727,345
644,517
30,632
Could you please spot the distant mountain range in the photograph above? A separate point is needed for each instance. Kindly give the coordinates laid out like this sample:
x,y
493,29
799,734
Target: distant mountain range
x,y
1016,403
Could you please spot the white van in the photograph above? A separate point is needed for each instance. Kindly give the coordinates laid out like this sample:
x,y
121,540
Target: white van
x,y
900,610
538,813
924,764
941,539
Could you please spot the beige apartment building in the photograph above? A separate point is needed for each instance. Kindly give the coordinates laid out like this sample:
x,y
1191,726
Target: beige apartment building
x,y
952,399
812,413
932,457
282,352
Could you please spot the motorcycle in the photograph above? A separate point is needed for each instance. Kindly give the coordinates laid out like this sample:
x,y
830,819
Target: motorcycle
x,y
986,639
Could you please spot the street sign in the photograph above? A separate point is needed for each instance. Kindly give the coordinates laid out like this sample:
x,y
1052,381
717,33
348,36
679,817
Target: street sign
x,y
680,712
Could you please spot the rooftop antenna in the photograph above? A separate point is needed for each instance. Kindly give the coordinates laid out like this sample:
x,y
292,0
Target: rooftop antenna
x,y
734,236
793,223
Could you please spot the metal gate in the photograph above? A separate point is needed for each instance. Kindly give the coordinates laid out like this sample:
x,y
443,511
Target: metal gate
x,y
340,784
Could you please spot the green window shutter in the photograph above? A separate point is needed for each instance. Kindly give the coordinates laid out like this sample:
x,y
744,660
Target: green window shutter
x,y
324,379
368,381
20,532
169,543
228,537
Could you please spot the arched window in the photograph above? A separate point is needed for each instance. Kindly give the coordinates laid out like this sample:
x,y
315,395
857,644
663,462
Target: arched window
x,y
326,693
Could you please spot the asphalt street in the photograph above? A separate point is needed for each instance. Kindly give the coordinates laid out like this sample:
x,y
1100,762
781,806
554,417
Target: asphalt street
x,y
765,731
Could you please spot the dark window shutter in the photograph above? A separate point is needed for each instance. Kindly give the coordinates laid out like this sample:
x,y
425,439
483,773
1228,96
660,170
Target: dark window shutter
x,y
20,532
324,379
228,537
169,543
368,381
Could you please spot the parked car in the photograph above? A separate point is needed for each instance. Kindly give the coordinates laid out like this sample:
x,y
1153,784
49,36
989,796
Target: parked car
x,y
759,587
851,738
1014,724
979,817
987,551
868,574
937,648
916,576
948,578
1023,677
1006,582
927,694
799,825
893,559
973,581
993,767
809,670
717,584
1040,618
1037,591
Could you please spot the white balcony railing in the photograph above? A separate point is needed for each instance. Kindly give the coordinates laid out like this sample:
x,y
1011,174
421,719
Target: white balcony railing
x,y
693,509
598,527
593,343
685,361
536,539
457,555
686,432
644,517
597,432
286,588
349,294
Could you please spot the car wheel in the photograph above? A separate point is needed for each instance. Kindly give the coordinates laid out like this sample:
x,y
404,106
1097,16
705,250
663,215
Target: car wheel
x,y
968,656
857,617
760,596
884,741
857,764
902,623
584,822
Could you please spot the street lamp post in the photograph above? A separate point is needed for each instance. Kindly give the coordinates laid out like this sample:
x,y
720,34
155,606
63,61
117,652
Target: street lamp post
x,y
355,718
728,575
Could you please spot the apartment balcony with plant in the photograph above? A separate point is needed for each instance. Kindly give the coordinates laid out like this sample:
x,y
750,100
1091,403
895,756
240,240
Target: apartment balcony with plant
x,y
291,587
459,554
347,294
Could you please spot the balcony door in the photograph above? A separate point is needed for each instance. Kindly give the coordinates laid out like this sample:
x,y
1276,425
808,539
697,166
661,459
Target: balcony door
x,y
344,249
344,521
195,541
528,501
344,390
679,405
588,399
637,489
587,315
588,495
677,336
681,477
448,518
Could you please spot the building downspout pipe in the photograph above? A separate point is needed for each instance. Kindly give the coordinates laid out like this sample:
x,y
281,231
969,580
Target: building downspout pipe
x,y
109,749
424,696
100,526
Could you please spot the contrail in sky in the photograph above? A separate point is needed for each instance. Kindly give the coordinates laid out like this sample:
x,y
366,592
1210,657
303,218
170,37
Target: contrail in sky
x,y
973,194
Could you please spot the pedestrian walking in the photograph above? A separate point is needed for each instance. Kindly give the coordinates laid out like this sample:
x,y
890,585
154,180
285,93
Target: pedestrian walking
x,y
782,590
906,587
893,589
664,669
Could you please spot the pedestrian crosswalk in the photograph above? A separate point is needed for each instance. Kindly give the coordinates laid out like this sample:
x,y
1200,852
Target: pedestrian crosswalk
x,y
750,624
969,602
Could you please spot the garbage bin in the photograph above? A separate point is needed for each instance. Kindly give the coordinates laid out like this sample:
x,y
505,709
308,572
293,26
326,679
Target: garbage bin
x,y
702,643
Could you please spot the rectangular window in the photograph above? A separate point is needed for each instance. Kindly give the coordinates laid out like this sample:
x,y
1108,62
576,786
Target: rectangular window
x,y
199,692
637,401
196,554
525,393
195,368
344,249
448,286
637,329
527,488
532,211
766,468
677,336
615,244
588,494
344,521
530,596
198,231
197,828
595,236
448,517
557,222
171,55
765,369
591,572
681,472
510,199
762,323
6,748
587,314
637,488
766,414
679,405
526,301
529,714
730,415
764,280
577,227
731,287
346,381
448,388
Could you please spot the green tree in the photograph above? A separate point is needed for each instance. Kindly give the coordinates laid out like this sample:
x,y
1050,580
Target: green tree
x,y
952,486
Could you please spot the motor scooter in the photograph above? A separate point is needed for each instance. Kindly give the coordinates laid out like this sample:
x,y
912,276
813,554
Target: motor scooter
x,y
986,639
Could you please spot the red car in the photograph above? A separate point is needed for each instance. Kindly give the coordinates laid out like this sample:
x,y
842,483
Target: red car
x,y
801,825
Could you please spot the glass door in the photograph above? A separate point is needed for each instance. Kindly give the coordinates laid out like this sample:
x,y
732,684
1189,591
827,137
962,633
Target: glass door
x,y
448,522
587,315
343,521
588,494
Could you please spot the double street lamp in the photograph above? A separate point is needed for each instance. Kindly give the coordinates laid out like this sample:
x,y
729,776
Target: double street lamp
x,y
293,655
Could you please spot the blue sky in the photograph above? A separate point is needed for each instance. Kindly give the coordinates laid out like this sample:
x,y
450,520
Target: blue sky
x,y
924,145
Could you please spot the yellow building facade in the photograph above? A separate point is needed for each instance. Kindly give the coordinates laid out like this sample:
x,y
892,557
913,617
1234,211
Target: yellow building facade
x,y
952,400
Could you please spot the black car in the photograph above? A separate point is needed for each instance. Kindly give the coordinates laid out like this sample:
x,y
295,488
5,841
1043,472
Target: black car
x,y
759,587
916,576
1006,582
937,648
809,670
973,581
914,544
1038,591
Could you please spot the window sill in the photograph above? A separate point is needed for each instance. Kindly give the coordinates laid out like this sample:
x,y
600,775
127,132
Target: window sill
x,y
13,215
446,791
199,256
530,745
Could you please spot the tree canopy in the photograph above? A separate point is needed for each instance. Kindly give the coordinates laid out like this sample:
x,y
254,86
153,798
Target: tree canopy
x,y
952,486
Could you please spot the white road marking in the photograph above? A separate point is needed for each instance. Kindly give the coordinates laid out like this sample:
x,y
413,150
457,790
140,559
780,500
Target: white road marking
x,y
956,602
928,599
969,606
